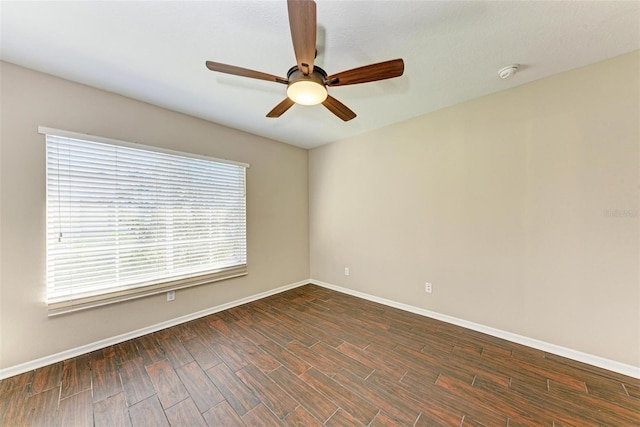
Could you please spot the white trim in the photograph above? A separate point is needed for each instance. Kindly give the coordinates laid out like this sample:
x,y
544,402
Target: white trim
x,y
600,362
94,138
74,305
83,349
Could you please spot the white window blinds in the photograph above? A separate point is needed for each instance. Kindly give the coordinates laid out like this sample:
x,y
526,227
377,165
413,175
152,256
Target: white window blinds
x,y
126,220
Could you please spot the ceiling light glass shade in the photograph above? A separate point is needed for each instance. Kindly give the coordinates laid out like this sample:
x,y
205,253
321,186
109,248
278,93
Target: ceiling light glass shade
x,y
307,92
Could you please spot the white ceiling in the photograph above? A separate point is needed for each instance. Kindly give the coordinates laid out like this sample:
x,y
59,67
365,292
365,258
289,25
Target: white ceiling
x,y
155,52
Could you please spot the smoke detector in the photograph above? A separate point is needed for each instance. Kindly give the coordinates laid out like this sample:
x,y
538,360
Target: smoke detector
x,y
508,71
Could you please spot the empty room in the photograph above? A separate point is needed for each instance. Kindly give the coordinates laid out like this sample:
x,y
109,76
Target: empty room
x,y
319,213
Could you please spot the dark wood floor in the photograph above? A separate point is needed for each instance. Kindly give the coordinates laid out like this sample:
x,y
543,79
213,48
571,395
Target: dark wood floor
x,y
312,356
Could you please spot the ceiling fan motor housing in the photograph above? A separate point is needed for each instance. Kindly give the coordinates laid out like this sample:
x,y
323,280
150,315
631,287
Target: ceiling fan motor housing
x,y
318,75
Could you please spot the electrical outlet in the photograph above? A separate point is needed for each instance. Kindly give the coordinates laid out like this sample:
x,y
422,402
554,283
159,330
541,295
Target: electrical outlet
x,y
427,288
346,271
171,295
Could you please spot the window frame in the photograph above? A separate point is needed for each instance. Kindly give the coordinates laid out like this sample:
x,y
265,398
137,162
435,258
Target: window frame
x,y
62,305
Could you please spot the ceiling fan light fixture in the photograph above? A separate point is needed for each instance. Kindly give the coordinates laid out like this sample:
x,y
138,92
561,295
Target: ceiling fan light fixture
x,y
306,82
307,92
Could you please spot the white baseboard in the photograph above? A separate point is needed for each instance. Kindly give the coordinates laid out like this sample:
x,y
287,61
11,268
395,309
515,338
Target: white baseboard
x,y
601,362
611,365
58,357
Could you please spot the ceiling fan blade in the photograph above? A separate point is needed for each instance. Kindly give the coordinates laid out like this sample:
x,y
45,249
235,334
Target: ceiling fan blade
x,y
302,21
368,73
338,108
281,108
244,72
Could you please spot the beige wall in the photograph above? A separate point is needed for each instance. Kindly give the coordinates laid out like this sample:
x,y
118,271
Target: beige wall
x,y
277,210
520,207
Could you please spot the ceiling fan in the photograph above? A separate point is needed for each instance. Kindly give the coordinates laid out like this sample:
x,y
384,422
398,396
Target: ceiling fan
x,y
306,83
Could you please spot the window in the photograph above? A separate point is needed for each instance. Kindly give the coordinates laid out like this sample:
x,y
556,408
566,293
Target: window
x,y
126,220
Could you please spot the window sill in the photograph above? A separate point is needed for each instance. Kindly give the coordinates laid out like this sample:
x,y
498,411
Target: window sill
x,y
71,305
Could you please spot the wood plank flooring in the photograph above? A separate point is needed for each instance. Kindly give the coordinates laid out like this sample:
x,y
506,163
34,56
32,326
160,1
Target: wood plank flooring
x,y
311,357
